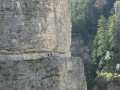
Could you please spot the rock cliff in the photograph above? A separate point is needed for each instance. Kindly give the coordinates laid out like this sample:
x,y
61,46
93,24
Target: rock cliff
x,y
43,74
34,26
81,48
35,40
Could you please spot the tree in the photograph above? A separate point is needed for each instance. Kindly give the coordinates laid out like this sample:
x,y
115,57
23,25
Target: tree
x,y
84,17
101,43
112,32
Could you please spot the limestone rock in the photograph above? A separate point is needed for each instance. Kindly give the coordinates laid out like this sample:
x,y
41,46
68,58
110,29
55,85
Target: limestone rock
x,y
43,74
34,26
79,48
35,40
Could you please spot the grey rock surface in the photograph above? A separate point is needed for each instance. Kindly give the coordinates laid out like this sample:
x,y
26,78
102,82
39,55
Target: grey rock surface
x,y
35,40
34,26
43,74
81,48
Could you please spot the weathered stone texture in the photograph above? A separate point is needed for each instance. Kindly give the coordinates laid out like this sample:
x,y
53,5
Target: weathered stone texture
x,y
81,48
34,25
32,34
43,74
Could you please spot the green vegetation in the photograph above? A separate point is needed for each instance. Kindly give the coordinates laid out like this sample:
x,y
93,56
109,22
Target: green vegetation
x,y
84,17
98,19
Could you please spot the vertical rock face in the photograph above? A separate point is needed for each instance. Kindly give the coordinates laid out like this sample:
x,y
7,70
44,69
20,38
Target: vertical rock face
x,y
43,74
32,34
79,48
34,25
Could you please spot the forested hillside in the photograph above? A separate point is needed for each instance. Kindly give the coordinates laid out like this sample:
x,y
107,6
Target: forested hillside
x,y
98,21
